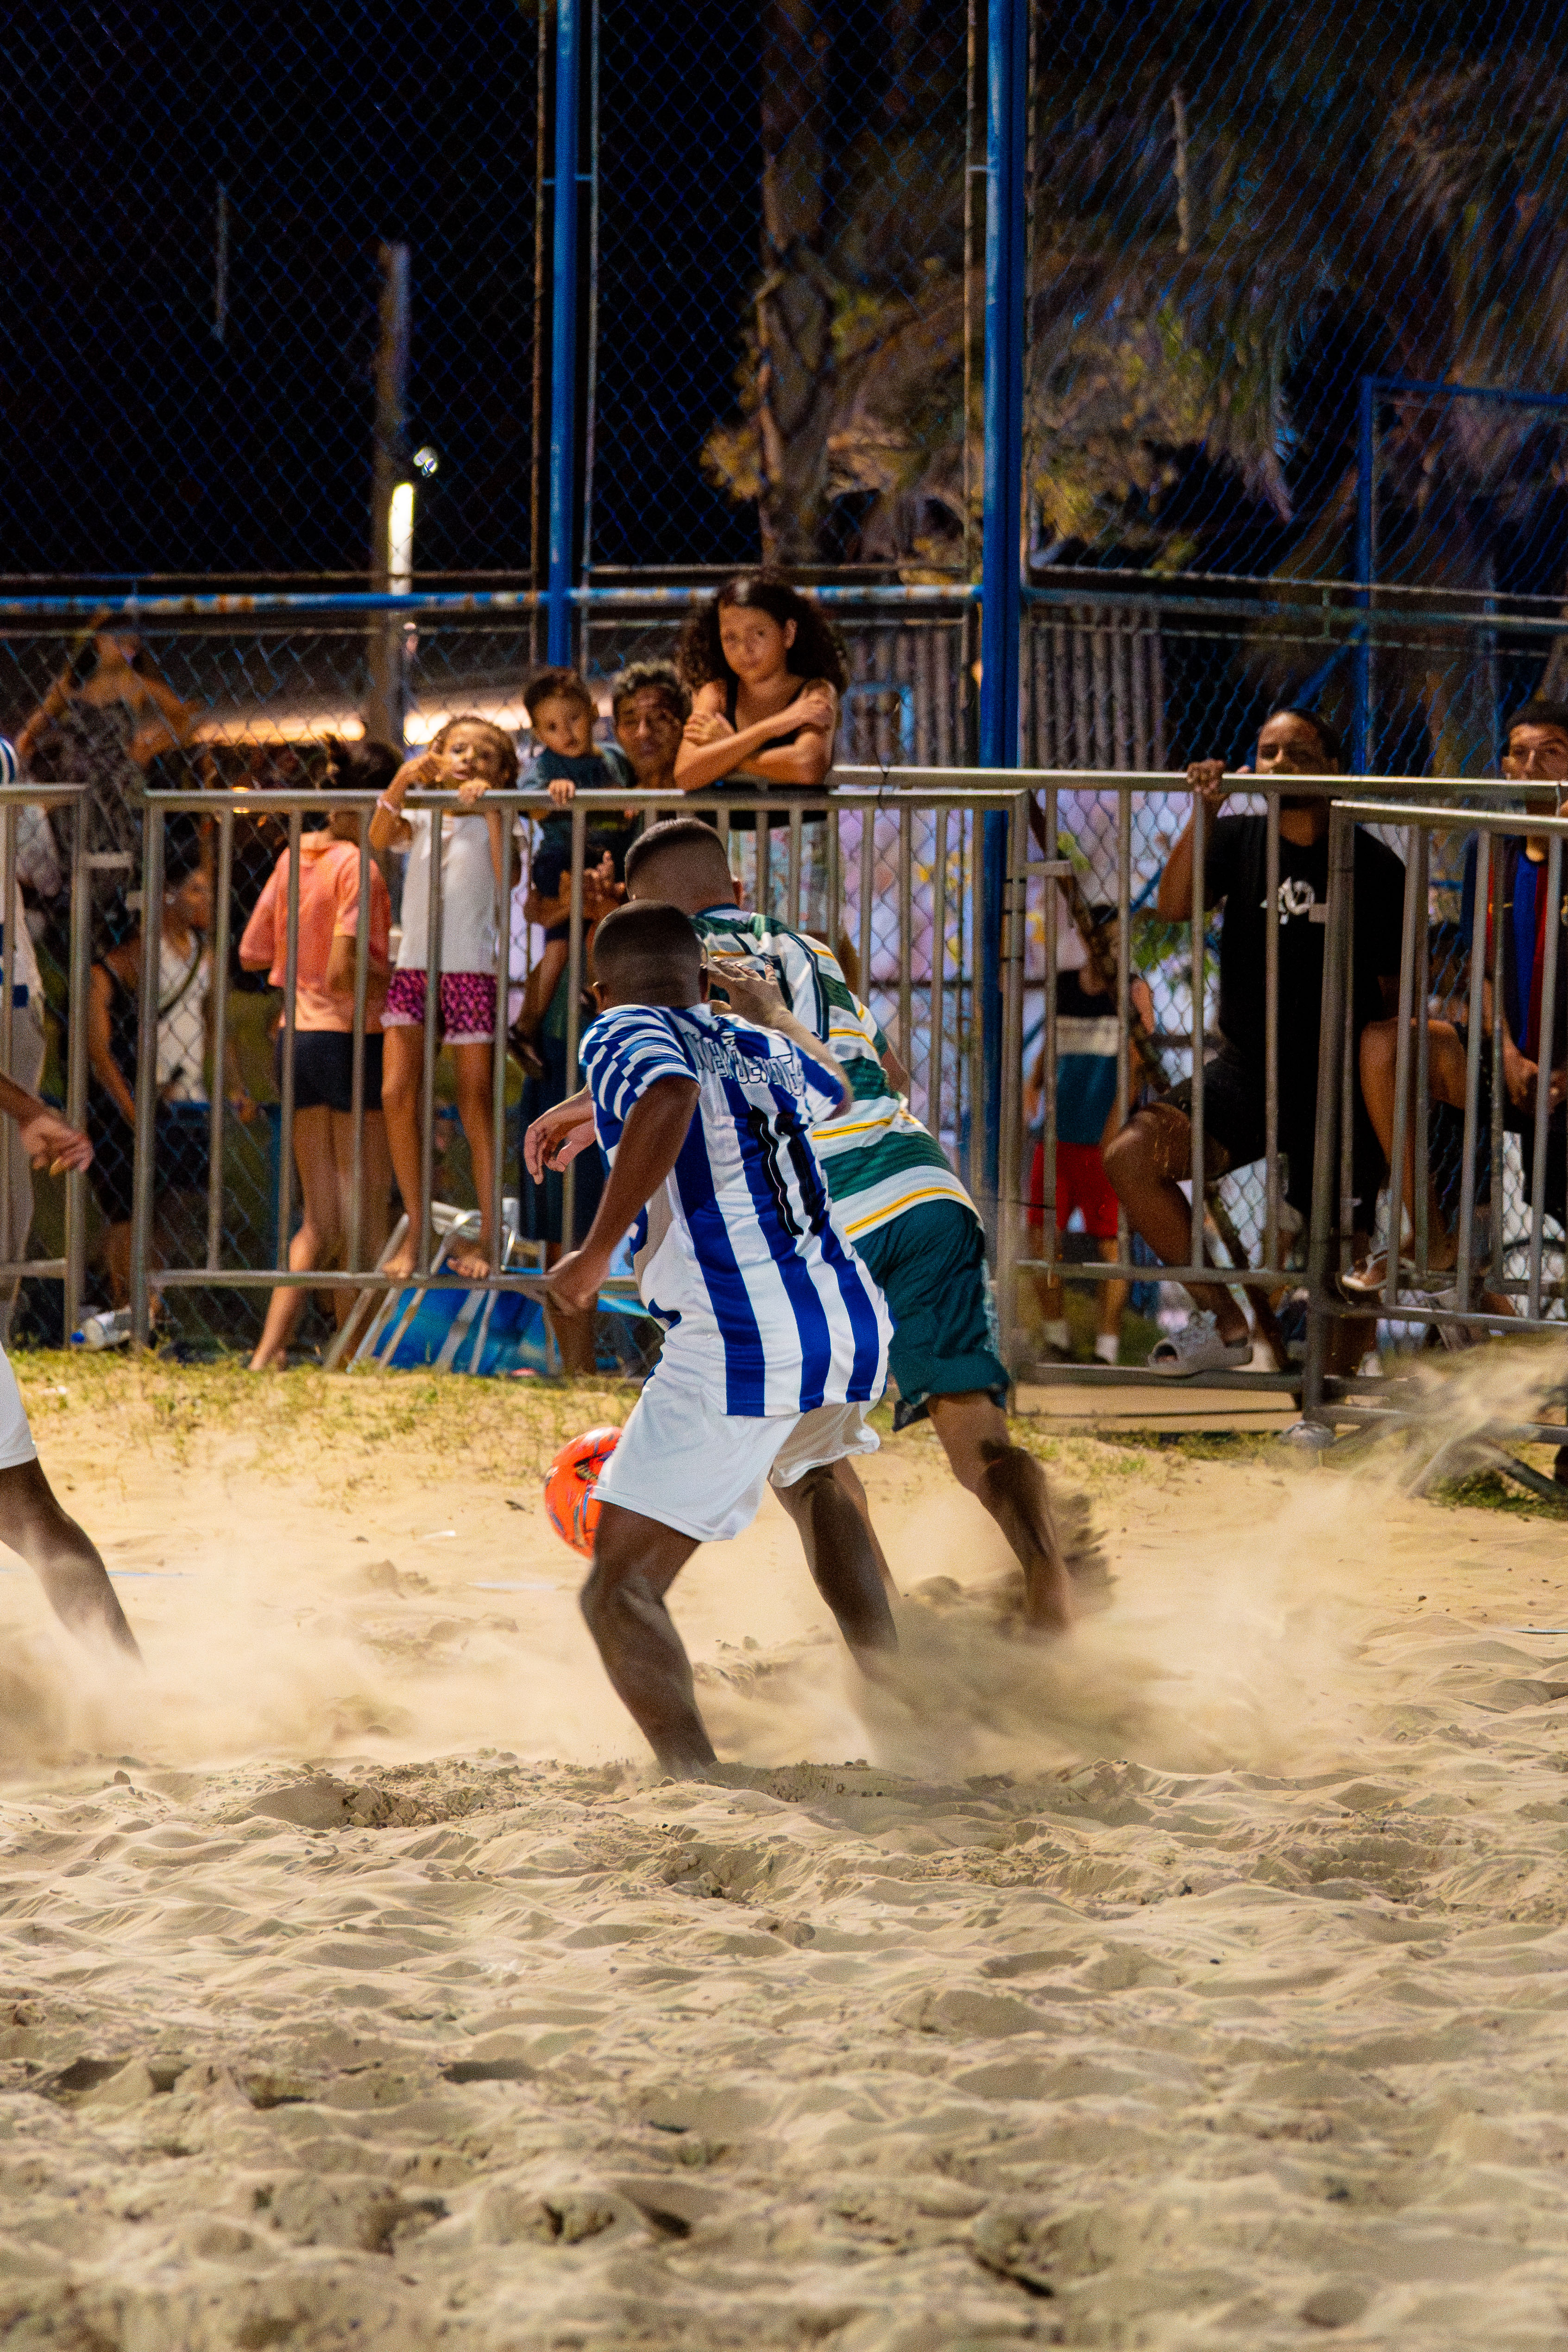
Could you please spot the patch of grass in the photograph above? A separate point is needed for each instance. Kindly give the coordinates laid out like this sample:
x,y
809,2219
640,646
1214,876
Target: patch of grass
x,y
1489,1490
492,1431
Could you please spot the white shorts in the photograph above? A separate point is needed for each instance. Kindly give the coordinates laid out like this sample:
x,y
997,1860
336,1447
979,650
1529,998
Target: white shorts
x,y
17,1445
689,1467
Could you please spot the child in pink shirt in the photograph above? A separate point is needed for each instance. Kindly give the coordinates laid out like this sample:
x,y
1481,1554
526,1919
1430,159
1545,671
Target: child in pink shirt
x,y
324,1056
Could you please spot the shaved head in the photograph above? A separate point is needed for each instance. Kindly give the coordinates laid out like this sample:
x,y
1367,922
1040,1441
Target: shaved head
x,y
682,863
648,954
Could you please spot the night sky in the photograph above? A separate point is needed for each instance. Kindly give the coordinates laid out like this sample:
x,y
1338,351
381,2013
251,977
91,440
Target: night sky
x,y
137,442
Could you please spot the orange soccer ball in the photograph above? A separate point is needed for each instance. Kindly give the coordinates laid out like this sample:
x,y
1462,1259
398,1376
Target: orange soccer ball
x,y
569,1498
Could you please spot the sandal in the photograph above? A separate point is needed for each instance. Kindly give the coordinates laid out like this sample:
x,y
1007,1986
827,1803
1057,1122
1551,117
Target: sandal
x,y
1198,1347
1370,1278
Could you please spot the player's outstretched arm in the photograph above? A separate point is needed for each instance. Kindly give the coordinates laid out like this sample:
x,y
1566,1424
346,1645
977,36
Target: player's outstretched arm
x,y
649,1148
752,998
559,1134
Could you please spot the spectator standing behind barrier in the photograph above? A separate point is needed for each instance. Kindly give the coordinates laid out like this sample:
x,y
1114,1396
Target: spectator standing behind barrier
x,y
324,1058
1153,1154
562,714
38,865
469,758
1086,1040
183,1055
648,707
106,719
1537,754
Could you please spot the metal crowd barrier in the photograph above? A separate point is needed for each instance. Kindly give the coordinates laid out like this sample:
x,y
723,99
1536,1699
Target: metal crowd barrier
x,y
1415,1291
843,861
70,1269
886,865
1443,806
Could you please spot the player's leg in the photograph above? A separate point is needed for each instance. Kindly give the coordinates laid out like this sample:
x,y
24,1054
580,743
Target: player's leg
x,y
635,1561
840,1552
845,1472
931,1264
685,1473
61,1555
1009,1481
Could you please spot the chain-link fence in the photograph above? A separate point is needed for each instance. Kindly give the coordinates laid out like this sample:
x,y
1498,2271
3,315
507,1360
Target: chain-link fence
x,y
201,202
1236,221
1293,387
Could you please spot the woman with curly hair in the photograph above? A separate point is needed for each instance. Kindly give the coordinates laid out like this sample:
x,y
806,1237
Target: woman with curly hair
x,y
765,669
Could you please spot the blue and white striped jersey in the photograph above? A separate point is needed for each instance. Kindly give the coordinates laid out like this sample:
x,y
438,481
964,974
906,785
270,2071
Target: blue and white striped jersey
x,y
736,1254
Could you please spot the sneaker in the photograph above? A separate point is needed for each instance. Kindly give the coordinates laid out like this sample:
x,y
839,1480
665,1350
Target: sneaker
x,y
1198,1347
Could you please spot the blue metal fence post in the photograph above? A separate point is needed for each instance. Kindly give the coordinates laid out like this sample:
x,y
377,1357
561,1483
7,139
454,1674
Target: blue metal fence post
x,y
563,337
1001,597
1361,689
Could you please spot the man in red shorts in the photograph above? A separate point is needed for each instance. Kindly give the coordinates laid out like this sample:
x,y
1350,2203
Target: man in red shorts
x,y
1086,1119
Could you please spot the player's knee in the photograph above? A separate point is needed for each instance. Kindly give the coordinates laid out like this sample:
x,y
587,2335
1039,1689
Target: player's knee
x,y
801,1494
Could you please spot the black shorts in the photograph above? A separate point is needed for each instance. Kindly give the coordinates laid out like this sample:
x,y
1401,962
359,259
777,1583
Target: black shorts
x,y
182,1134
1233,1119
324,1070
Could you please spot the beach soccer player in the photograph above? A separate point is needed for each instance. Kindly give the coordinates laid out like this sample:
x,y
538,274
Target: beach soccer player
x,y
894,1197
775,1336
61,1555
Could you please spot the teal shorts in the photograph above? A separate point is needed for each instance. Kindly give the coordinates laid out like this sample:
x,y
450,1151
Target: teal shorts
x,y
931,1264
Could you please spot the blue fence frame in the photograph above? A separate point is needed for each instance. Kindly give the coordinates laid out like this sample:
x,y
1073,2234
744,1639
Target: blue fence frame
x,y
1362,750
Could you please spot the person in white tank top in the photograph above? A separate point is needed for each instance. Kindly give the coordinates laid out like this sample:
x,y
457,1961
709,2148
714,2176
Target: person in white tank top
x,y
469,758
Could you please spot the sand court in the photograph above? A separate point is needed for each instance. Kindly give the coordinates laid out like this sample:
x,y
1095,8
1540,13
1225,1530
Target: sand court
x,y
1202,1978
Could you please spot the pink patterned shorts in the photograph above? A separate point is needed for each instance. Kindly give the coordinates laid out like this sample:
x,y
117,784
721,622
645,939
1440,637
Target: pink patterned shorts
x,y
467,1006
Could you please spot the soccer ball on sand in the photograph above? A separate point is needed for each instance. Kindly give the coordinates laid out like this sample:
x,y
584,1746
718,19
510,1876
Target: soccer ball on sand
x,y
570,1498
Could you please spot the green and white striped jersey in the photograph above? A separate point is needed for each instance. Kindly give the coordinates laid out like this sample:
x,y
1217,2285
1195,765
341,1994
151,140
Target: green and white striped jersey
x,y
878,1159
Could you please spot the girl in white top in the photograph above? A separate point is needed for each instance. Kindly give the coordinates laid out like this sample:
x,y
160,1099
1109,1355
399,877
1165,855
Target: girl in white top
x,y
468,757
